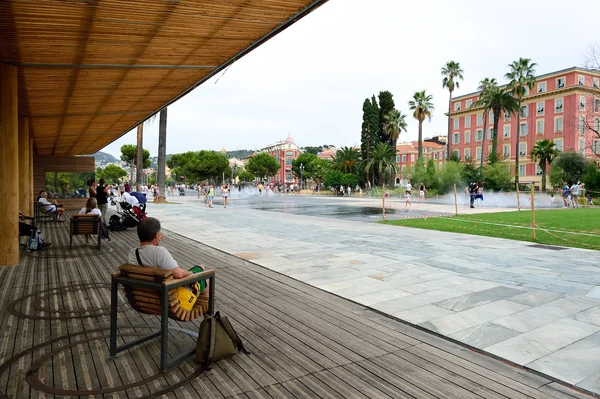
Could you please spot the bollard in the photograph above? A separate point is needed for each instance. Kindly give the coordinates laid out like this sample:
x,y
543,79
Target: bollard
x,y
455,201
532,212
518,198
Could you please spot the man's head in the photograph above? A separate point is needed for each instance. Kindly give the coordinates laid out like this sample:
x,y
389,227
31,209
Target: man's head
x,y
149,230
43,194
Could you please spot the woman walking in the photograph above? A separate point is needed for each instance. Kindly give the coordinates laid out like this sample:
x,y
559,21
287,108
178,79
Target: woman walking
x,y
92,188
211,195
225,193
102,193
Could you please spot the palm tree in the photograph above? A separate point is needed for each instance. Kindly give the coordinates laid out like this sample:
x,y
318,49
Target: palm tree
x,y
394,123
497,100
382,158
484,86
162,154
521,76
422,108
544,152
347,159
451,73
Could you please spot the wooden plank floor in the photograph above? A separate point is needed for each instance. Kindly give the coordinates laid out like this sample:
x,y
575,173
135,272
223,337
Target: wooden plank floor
x,y
304,343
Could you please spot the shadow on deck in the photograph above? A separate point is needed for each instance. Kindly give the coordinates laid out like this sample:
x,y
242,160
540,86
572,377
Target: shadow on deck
x,y
304,343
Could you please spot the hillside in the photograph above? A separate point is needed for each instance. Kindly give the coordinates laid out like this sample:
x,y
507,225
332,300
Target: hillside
x,y
104,158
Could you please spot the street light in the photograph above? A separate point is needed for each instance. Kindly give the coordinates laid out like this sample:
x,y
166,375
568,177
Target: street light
x,y
301,181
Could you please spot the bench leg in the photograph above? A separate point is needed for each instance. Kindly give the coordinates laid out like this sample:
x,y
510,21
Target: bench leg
x,y
164,329
113,318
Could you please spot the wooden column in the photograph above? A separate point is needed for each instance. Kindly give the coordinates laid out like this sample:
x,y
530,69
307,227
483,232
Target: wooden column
x,y
9,166
30,210
25,190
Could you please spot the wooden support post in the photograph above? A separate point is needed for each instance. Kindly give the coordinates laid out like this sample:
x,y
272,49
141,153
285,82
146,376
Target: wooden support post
x,y
25,194
533,212
455,201
518,198
30,210
9,166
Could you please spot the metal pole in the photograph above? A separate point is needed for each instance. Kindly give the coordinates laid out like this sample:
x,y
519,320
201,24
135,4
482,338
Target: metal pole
x,y
533,212
455,201
518,198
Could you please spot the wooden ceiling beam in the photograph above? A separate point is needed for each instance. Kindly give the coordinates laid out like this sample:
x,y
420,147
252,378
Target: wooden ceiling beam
x,y
105,66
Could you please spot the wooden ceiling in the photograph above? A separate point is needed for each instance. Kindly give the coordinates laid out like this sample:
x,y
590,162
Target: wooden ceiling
x,y
91,70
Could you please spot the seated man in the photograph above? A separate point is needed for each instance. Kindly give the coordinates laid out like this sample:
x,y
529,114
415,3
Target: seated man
x,y
150,254
51,207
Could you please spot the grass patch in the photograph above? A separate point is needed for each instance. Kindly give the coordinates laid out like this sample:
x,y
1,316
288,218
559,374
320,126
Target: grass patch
x,y
579,228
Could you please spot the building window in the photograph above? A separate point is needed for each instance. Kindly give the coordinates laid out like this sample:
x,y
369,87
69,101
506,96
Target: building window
x,y
581,124
288,177
490,133
558,105
582,103
397,158
457,106
478,153
506,117
467,153
540,109
526,90
596,146
479,119
467,136
491,117
521,170
541,87
597,125
539,127
525,111
523,149
467,121
289,154
412,168
560,83
596,83
468,103
558,124
456,138
538,170
403,158
506,151
456,153
506,131
412,158
524,129
404,168
597,105
479,135
581,80
288,162
455,123
559,145
489,149
435,156
581,146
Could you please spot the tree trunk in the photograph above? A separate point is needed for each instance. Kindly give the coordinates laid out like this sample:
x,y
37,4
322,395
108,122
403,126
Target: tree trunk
x,y
140,158
485,116
421,140
517,143
494,155
383,198
449,127
393,173
543,166
162,154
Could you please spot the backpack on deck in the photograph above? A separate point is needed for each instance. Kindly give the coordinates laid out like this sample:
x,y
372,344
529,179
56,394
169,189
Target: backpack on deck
x,y
36,240
217,340
115,224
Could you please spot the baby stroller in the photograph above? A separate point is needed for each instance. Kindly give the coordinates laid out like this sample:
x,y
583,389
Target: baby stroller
x,y
130,215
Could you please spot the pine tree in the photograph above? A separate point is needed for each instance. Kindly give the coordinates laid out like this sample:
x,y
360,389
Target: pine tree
x,y
386,104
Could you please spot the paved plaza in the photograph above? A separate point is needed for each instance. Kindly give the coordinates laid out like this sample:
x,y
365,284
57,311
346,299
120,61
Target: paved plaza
x,y
536,307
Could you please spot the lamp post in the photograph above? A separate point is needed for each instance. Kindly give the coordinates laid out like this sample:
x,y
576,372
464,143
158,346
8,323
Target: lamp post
x,y
301,181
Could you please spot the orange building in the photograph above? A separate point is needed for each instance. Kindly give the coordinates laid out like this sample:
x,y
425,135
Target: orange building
x,y
561,108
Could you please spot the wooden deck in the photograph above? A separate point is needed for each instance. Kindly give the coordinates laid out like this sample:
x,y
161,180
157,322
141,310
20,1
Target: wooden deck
x,y
304,343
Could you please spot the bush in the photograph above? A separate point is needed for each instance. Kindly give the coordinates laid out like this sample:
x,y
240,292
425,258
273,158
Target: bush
x,y
497,177
450,175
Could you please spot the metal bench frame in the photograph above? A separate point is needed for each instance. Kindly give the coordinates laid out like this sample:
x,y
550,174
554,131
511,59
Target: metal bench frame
x,y
78,222
39,212
163,289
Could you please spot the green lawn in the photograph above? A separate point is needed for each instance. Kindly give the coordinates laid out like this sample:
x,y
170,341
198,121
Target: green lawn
x,y
578,228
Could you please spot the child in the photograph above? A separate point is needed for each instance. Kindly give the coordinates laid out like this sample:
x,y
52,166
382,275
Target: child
x,y
407,199
552,200
590,200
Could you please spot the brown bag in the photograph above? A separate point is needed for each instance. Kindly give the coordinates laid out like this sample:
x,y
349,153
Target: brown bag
x,y
217,340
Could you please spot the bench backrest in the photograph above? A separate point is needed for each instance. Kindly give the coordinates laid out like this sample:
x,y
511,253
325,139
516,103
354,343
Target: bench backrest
x,y
85,224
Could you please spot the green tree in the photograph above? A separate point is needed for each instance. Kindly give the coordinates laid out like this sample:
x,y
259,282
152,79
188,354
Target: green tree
x,y
568,167
522,77
312,150
591,178
369,129
111,173
451,174
452,73
394,123
347,159
199,165
382,158
497,100
485,85
497,176
422,108
320,167
544,153
129,155
307,161
263,165
245,176
386,105
333,178
470,171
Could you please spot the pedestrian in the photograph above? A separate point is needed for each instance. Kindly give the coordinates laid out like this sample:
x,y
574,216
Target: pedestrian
x,y
422,191
205,190
552,200
473,188
91,188
225,194
575,191
349,191
102,193
211,195
198,188
406,199
409,187
260,187
479,195
565,195
145,190
127,187
155,193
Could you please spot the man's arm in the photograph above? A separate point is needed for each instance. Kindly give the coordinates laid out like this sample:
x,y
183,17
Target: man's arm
x,y
178,273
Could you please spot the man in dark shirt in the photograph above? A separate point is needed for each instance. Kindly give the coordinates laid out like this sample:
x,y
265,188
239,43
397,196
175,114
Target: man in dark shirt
x,y
127,187
473,187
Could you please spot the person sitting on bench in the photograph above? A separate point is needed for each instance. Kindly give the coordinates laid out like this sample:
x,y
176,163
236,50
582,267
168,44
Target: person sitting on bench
x,y
149,253
51,207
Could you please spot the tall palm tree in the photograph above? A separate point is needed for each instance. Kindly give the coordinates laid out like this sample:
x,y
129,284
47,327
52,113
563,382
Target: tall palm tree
x,y
422,108
496,99
139,162
347,159
162,154
452,73
382,158
521,76
485,85
544,152
394,123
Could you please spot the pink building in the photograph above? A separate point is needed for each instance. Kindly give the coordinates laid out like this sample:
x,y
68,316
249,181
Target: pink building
x,y
561,107
285,152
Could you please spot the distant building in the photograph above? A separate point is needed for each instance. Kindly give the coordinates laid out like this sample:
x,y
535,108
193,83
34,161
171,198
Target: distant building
x,y
327,154
285,152
407,153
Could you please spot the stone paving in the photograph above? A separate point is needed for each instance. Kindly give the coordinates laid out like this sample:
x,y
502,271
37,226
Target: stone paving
x,y
537,307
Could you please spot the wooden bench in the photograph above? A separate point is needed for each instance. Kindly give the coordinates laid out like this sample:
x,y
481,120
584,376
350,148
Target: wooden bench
x,y
153,291
40,213
84,225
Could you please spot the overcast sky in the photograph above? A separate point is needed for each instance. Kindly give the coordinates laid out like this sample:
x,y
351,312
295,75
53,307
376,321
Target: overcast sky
x,y
311,80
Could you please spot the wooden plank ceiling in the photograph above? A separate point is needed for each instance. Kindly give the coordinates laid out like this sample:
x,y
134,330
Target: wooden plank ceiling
x,y
91,70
